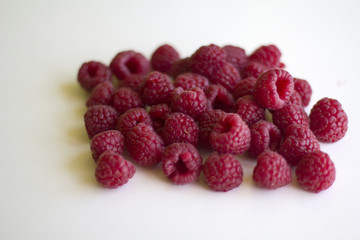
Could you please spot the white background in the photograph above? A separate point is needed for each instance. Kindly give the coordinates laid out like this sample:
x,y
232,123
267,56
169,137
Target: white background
x,y
47,184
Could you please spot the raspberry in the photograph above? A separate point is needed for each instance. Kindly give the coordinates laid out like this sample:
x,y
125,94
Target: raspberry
x,y
266,55
164,58
124,99
244,87
111,140
219,98
328,120
271,171
264,136
92,73
131,118
113,170
158,114
191,102
230,135
144,145
180,127
100,118
273,89
236,56
227,76
207,121
253,69
298,141
315,172
101,94
157,88
181,163
190,80
249,110
222,172
133,81
129,62
304,89
288,115
179,67
295,99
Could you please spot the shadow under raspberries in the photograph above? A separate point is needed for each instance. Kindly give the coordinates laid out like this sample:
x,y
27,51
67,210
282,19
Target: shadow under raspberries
x,y
83,167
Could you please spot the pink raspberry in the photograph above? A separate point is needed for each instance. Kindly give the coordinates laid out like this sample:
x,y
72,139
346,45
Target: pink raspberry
x,y
190,80
124,99
131,118
207,121
288,115
244,87
266,55
164,58
328,120
295,99
249,110
219,98
111,140
227,76
315,172
222,172
157,88
101,94
180,66
158,114
100,118
271,171
181,163
236,56
230,135
133,81
92,73
191,102
112,170
304,89
253,69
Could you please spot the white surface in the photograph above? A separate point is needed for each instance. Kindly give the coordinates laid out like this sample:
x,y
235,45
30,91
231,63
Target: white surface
x,y
47,188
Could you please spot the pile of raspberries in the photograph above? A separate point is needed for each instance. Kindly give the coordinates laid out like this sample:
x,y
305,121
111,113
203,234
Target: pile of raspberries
x,y
219,98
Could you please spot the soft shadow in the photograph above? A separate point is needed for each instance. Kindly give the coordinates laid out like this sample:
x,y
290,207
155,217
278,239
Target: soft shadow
x,y
83,167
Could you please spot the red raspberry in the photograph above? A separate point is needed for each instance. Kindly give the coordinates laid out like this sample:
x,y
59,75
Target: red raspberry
x,y
113,170
219,98
180,127
230,135
191,102
253,69
131,118
100,118
271,171
227,76
315,172
298,141
264,136
129,62
157,88
249,110
288,115
273,89
158,114
267,55
207,121
133,81
144,145
244,87
190,80
181,163
111,140
295,99
236,56
181,66
92,73
101,94
304,89
222,172
124,99
164,58
328,120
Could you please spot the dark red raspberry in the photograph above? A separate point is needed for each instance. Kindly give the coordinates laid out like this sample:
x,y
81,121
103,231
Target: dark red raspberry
x,y
164,58
133,81
304,89
113,170
111,140
315,172
264,136
190,80
271,171
227,76
131,118
207,121
92,73
158,114
230,135
100,118
222,172
124,99
101,94
180,127
157,88
298,141
129,62
191,102
249,110
181,66
288,115
295,99
273,89
328,120
181,163
219,98
253,69
244,87
266,55
144,145
236,56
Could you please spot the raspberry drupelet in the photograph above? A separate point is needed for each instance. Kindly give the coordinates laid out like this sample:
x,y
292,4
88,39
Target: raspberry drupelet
x,y
158,114
191,102
207,121
219,98
267,55
227,76
253,69
157,88
163,58
236,56
295,99
124,99
244,87
249,111
131,118
180,66
101,94
190,80
288,115
304,89
111,140
133,81
100,118
92,73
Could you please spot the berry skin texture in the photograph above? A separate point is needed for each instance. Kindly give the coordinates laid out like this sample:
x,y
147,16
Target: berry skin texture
x,y
295,99
271,171
222,172
100,118
112,170
236,56
131,118
304,89
249,110
124,99
92,73
328,120
207,121
133,81
158,114
181,163
273,89
253,69
190,80
219,98
101,94
111,140
181,66
244,87
157,88
164,58
191,102
267,55
288,115
230,135
227,76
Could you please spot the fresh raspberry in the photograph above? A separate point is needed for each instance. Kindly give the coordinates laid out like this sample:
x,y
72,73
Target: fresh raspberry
x,y
266,55
273,89
271,171
190,80
129,62
131,118
144,145
249,110
295,99
236,56
253,69
304,89
158,114
101,94
157,88
191,102
244,87
124,99
207,121
164,58
180,127
133,81
219,98
222,172
288,115
315,172
113,170
181,66
100,118
227,76
230,135
298,141
92,73
181,163
328,120
281,65
111,140
264,136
